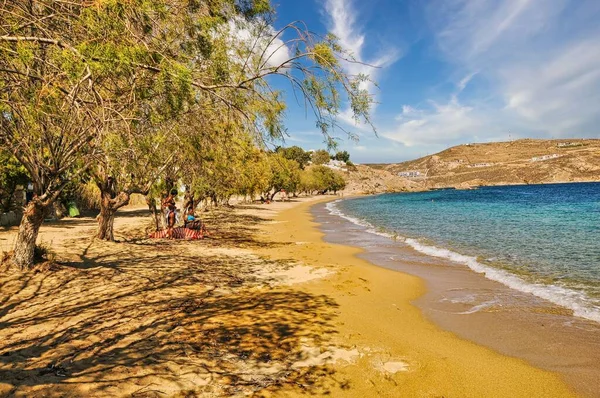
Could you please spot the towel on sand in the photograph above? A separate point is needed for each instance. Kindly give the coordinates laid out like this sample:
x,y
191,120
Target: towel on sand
x,y
178,233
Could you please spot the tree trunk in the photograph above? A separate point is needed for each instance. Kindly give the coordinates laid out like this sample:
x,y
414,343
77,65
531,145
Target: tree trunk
x,y
33,217
106,221
271,196
188,200
109,204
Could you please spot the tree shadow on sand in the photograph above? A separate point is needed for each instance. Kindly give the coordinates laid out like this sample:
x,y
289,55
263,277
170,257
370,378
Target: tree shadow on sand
x,y
144,320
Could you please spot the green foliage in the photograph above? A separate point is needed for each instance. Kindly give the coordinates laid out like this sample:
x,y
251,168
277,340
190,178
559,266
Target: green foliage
x,y
337,183
12,174
295,153
320,157
87,195
253,8
351,166
308,182
322,179
342,156
324,55
285,173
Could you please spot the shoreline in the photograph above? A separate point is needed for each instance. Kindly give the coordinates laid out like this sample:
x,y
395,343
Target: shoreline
x,y
377,318
493,315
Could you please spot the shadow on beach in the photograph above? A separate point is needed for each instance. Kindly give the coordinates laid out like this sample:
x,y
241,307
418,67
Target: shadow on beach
x,y
155,318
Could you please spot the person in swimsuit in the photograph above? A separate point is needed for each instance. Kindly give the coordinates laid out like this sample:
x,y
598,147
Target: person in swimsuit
x,y
171,215
192,222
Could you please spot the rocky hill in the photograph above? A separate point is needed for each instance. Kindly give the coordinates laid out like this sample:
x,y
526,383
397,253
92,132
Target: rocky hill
x,y
368,180
524,161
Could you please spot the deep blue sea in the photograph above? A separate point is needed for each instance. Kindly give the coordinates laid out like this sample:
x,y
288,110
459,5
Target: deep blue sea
x,y
539,239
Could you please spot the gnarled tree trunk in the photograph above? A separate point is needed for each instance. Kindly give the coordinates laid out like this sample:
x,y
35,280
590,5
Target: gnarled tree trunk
x,y
106,220
33,217
110,202
271,194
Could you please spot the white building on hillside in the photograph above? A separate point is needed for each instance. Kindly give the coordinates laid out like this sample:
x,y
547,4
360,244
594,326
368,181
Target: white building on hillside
x,y
410,174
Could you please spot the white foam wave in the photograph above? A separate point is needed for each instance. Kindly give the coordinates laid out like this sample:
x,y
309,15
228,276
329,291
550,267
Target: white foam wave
x,y
332,208
479,307
576,301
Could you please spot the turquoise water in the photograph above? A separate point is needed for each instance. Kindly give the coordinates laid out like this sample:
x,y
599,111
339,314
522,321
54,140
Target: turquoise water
x,y
541,239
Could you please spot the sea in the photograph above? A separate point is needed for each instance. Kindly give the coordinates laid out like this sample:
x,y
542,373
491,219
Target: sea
x,y
542,240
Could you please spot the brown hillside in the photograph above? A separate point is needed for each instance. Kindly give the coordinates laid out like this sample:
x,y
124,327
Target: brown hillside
x,y
502,163
367,180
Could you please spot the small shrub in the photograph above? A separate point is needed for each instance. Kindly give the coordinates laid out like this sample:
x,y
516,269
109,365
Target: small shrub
x,y
351,166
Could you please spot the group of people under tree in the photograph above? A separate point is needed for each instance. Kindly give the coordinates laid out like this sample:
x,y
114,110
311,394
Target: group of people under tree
x,y
190,221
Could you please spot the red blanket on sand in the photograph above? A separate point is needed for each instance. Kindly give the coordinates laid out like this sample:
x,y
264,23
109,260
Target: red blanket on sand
x,y
178,233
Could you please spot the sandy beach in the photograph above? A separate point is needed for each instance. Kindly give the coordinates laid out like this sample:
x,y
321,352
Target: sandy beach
x,y
262,307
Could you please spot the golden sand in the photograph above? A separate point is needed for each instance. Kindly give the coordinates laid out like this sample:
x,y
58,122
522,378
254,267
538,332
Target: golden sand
x,y
392,349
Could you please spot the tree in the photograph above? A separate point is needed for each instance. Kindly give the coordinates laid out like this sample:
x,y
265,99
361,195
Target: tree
x,y
131,162
327,179
60,87
49,109
337,183
308,182
218,157
295,153
68,73
342,156
320,157
285,175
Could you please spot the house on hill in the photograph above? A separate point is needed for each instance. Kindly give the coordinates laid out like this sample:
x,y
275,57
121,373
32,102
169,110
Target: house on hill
x,y
410,174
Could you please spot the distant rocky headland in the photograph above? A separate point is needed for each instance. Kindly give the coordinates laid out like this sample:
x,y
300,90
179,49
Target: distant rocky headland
x,y
526,161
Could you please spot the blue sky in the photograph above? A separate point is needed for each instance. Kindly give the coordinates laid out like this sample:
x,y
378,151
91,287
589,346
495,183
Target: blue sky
x,y
458,71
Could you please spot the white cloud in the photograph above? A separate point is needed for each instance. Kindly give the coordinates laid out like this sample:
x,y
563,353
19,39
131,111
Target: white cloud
x,y
449,122
462,84
342,21
259,39
562,94
541,61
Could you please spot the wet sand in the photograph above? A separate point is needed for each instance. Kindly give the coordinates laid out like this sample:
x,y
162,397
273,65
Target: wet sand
x,y
484,311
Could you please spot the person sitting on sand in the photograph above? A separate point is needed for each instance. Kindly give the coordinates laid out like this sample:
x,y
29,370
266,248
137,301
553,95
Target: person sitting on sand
x,y
192,222
284,196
